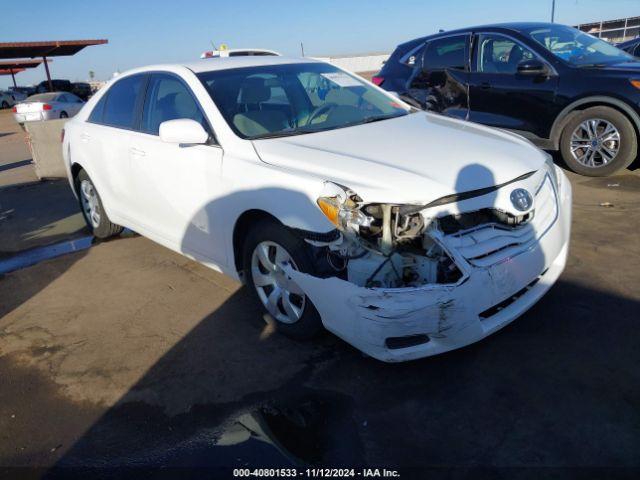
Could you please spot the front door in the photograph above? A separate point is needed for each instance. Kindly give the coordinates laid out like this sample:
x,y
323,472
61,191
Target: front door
x,y
499,96
176,185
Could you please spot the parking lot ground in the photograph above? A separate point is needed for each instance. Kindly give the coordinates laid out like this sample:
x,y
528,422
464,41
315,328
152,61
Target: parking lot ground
x,y
129,355
32,213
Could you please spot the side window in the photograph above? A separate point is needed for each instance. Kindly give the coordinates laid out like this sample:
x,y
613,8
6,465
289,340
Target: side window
x,y
120,107
636,51
498,54
448,52
168,99
98,110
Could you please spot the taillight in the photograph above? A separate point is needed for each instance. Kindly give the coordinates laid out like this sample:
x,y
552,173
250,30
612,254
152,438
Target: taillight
x,y
377,80
62,135
14,109
46,106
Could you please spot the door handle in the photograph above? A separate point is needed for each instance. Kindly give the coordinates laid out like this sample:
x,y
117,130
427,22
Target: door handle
x,y
485,85
136,152
85,137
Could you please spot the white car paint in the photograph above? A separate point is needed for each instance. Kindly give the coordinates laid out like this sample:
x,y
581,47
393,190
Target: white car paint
x,y
190,198
47,106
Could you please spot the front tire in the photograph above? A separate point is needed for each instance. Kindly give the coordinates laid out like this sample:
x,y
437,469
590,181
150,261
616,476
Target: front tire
x,y
92,210
64,115
268,247
598,141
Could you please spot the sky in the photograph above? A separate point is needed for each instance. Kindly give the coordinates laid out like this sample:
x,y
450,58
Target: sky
x,y
164,31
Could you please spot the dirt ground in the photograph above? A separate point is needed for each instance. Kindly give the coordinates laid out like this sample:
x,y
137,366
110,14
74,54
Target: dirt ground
x,y
126,355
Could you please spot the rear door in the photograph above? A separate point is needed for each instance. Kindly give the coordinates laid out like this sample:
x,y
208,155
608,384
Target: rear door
x,y
439,82
499,96
175,185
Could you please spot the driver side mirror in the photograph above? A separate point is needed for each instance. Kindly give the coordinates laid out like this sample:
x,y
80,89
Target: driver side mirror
x,y
183,131
533,67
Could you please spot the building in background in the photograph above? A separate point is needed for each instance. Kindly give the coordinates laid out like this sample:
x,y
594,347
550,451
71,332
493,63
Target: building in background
x,y
613,31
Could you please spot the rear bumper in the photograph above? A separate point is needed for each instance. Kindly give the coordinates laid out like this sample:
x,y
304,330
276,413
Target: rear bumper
x,y
443,317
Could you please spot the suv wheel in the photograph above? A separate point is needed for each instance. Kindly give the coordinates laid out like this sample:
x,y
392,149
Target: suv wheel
x,y
92,209
5,104
267,249
598,142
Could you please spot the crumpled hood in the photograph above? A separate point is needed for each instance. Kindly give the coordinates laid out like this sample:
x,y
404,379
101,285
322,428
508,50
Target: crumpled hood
x,y
416,158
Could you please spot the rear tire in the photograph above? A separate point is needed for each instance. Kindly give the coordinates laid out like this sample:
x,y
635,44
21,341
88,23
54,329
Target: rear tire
x,y
275,240
92,210
5,105
598,146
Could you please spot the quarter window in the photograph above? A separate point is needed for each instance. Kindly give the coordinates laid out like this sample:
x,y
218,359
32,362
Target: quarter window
x,y
168,99
498,54
449,52
120,107
98,110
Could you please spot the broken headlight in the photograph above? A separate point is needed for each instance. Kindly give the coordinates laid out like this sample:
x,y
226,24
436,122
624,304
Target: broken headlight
x,y
342,208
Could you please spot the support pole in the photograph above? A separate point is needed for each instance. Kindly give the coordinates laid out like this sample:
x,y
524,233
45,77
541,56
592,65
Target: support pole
x,y
46,67
13,77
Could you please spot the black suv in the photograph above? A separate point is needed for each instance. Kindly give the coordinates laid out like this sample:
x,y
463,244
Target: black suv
x,y
58,86
555,85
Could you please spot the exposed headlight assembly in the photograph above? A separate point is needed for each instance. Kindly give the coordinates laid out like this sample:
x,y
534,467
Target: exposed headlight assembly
x,y
377,225
341,206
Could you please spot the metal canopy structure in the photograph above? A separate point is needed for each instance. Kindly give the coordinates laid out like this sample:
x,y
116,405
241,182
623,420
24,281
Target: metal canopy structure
x,y
16,66
56,48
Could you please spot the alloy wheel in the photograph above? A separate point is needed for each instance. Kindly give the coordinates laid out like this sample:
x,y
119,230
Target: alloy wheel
x,y
90,203
595,142
282,297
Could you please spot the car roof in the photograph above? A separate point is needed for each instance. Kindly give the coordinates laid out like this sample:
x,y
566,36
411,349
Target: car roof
x,y
225,63
510,26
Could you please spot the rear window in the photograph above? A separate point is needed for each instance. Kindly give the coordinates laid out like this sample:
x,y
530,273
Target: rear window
x,y
43,97
120,106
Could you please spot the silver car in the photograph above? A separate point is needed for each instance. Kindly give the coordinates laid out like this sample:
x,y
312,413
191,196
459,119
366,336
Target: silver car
x,y
6,99
47,106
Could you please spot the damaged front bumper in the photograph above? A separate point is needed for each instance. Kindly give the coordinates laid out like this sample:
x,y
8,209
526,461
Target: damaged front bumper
x,y
399,324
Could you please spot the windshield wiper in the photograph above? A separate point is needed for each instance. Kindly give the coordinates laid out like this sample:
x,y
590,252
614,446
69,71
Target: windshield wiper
x,y
283,133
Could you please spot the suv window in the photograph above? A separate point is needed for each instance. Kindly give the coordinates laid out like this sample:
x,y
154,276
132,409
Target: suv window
x,y
120,106
169,99
499,54
448,52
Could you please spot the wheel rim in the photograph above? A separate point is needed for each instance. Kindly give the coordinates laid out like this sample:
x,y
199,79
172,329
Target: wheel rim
x,y
595,143
282,298
90,203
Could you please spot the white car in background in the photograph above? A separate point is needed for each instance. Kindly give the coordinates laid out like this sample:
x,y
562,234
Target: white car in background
x,y
239,52
47,106
405,233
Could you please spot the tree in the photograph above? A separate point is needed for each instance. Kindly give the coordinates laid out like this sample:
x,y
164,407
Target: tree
x,y
92,74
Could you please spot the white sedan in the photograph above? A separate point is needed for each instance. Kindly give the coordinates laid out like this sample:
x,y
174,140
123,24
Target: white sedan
x,y
47,106
405,233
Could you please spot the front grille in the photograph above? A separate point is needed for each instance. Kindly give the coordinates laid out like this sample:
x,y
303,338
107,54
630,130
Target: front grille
x,y
489,243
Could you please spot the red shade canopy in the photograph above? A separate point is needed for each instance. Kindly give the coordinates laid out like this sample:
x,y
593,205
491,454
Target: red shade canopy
x,y
6,71
55,48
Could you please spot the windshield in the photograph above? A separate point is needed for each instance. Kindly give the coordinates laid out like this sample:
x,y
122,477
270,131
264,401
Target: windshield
x,y
577,48
291,99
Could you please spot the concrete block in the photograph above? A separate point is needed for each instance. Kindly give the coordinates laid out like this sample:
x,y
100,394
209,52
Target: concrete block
x,y
44,141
